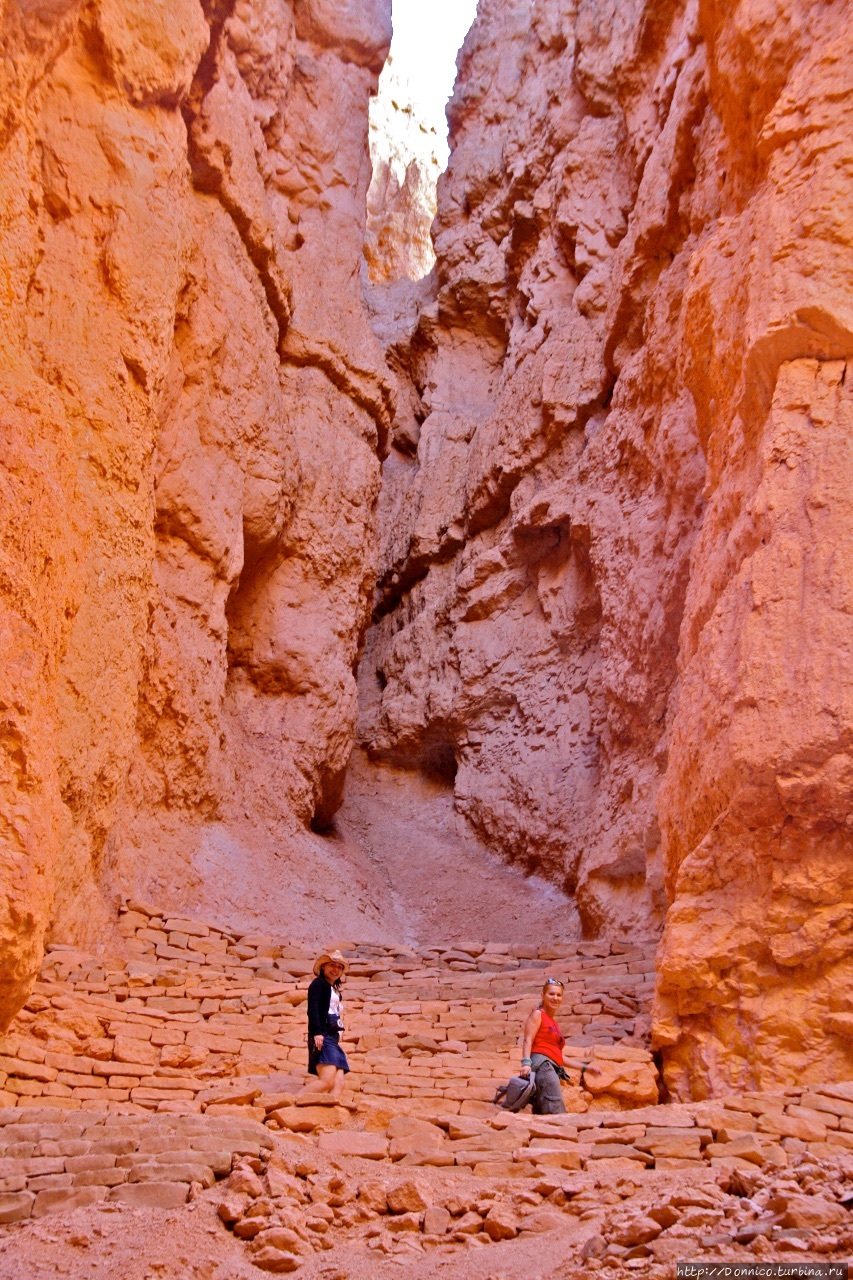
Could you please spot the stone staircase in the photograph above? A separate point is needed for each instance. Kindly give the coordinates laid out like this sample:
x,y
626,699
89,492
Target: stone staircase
x,y
142,1081
196,1009
51,1161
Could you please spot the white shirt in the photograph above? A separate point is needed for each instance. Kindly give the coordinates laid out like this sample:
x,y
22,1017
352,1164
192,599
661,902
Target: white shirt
x,y
335,1008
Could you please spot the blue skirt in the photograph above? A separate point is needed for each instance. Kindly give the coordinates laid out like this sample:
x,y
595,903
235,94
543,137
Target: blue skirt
x,y
331,1055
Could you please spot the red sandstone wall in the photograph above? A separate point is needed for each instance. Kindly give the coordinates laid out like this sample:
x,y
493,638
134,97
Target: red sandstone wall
x,y
613,605
193,406
614,586
756,966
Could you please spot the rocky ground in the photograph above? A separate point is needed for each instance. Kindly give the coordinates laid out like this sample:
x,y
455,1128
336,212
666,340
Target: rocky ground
x,y
302,1210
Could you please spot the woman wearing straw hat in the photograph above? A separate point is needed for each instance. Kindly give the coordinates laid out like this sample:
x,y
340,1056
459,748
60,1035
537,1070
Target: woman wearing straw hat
x,y
326,1059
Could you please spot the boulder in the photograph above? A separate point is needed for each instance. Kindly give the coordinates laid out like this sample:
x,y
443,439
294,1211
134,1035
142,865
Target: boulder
x,y
305,1119
436,1220
373,1196
629,1083
243,1182
812,1212
638,1230
468,1225
232,1207
501,1223
275,1260
369,1146
405,1222
283,1239
407,1197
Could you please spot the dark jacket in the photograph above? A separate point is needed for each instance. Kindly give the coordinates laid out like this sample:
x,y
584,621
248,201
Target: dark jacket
x,y
319,999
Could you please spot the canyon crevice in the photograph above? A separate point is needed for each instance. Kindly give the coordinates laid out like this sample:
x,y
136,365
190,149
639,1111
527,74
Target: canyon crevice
x,y
612,596
558,535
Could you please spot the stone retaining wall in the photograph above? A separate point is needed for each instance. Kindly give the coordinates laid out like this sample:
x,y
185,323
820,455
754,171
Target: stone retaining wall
x,y
50,1161
741,1131
195,1006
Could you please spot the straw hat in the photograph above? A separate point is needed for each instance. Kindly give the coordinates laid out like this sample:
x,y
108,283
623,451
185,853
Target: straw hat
x,y
334,956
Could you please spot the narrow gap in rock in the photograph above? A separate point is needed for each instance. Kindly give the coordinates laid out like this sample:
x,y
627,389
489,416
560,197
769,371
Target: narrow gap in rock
x,y
408,136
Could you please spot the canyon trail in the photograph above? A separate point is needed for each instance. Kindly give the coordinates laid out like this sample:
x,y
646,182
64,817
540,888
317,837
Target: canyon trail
x,y
506,608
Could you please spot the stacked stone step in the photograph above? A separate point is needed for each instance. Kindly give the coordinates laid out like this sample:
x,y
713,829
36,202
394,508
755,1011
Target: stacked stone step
x,y
158,1064
51,1161
743,1131
190,1007
705,1176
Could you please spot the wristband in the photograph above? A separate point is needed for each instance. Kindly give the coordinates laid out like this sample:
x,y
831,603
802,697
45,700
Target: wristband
x,y
527,1062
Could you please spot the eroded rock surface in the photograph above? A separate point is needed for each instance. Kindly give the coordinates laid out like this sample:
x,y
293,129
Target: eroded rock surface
x,y
614,604
193,410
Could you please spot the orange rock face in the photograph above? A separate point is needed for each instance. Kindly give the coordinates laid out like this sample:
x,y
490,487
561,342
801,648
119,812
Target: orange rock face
x,y
614,573
536,546
757,958
614,434
193,406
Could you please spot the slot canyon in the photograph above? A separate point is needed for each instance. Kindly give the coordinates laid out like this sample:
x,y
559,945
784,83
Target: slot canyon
x,y
458,576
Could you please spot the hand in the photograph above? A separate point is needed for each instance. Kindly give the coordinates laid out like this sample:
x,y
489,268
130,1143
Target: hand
x,y
318,1043
525,1071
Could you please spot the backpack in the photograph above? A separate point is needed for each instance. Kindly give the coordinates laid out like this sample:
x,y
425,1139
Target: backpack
x,y
516,1094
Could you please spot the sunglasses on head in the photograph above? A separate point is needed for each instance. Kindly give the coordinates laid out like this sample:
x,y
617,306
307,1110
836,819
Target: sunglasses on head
x,y
553,982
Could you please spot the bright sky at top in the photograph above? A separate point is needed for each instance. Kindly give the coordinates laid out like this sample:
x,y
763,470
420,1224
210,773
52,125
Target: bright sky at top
x,y
427,37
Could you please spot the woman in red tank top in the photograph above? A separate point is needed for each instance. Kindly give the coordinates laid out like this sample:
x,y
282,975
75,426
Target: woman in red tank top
x,y
543,1050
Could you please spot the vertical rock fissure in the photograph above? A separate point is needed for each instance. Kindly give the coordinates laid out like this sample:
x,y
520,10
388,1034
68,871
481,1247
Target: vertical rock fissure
x,y
620,343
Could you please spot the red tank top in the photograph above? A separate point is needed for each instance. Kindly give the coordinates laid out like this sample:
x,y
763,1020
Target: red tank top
x,y
549,1040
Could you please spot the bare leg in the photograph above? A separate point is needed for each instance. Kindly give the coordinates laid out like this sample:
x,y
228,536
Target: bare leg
x,y
325,1079
338,1086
